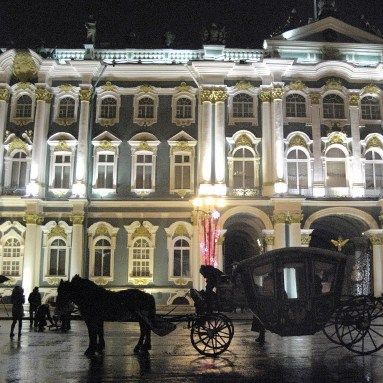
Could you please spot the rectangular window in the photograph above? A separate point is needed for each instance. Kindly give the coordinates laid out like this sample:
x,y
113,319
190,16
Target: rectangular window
x,y
19,174
144,169
62,171
105,167
336,174
182,171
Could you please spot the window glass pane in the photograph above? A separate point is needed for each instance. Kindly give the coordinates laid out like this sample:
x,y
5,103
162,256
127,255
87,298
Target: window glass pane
x,y
177,263
263,280
106,263
109,177
61,265
53,262
293,280
98,263
324,277
336,174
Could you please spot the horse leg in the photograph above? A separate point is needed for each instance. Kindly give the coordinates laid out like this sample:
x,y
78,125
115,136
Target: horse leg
x,y
138,347
92,331
100,332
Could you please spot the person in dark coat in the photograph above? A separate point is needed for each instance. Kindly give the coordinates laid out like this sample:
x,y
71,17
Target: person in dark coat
x,y
17,300
34,300
42,315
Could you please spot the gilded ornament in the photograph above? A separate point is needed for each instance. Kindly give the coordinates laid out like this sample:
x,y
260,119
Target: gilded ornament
x,y
141,281
243,140
57,231
243,85
213,95
181,231
108,86
101,281
144,146
33,219
269,239
277,93
4,94
23,86
106,146
220,240
371,89
53,281
102,231
65,121
77,218
10,282
62,146
376,240
24,68
287,217
182,192
315,98
43,94
141,231
249,192
183,87
339,243
85,94
180,282
336,139
297,140
182,146
17,144
297,85
265,96
374,142
305,239
65,88
333,84
146,89
353,99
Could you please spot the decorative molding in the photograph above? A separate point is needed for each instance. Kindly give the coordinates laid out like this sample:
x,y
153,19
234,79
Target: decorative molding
x,y
77,218
183,192
23,67
248,192
24,86
265,95
52,281
374,142
353,99
109,87
145,88
181,231
371,89
85,94
213,95
334,84
243,85
315,98
140,281
305,239
4,94
36,219
57,231
141,231
183,87
243,140
145,147
62,146
277,93
297,85
101,281
181,281
297,140
43,94
336,139
376,239
65,88
269,239
105,145
17,144
65,121
101,230
287,217
181,146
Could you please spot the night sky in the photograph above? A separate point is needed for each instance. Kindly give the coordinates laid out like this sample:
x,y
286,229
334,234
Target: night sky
x,y
143,23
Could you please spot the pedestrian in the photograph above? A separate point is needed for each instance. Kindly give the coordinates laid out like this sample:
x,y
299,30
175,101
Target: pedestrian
x,y
34,300
42,315
17,300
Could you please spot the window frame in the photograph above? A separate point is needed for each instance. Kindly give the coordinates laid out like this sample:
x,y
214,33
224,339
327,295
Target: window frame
x,y
9,236
334,159
306,103
145,121
101,96
183,121
16,95
334,117
378,104
378,151
308,161
233,119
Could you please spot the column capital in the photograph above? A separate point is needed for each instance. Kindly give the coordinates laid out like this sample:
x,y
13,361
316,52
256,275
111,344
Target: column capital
x,y
85,94
375,236
31,218
43,94
77,218
287,217
277,93
213,95
315,98
4,94
265,95
353,99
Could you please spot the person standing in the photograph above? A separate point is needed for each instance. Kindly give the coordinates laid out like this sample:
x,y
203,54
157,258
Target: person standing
x,y
17,300
34,300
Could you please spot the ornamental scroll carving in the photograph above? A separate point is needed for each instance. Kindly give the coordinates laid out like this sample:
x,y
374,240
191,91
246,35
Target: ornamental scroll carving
x,y
315,98
334,84
101,281
181,146
243,85
213,95
287,217
265,96
353,99
374,142
102,231
297,140
141,281
62,146
17,144
65,88
376,239
297,85
4,94
145,88
371,89
277,93
183,87
57,231
33,219
243,140
85,94
108,86
24,68
141,231
106,146
77,218
43,94
181,231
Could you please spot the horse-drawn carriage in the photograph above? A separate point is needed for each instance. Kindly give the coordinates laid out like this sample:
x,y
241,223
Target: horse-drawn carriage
x,y
293,292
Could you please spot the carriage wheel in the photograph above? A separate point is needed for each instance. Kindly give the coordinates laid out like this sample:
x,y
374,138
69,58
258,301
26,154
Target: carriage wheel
x,y
211,334
330,331
359,325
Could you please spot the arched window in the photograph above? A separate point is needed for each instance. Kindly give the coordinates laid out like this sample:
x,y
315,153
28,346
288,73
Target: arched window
x,y
295,105
66,108
146,108
373,170
141,258
24,106
11,265
181,258
370,108
102,258
336,168
298,167
57,255
184,108
19,170
108,108
243,169
333,106
243,105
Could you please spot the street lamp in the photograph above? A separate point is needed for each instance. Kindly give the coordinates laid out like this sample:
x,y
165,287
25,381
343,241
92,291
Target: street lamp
x,y
207,216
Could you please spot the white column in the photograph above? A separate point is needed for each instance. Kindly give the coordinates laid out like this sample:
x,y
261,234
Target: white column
x,y
295,232
376,238
280,185
4,97
267,145
306,237
79,186
31,253
318,180
268,236
39,150
205,142
357,187
219,142
76,260
196,255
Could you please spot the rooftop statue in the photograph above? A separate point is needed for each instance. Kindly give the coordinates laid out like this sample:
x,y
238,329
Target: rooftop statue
x,y
90,27
326,8
214,35
169,39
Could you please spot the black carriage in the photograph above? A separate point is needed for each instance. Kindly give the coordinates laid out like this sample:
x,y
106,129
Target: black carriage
x,y
293,292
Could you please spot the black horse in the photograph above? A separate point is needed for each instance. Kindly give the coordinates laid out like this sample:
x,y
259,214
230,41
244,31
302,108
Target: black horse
x,y
97,305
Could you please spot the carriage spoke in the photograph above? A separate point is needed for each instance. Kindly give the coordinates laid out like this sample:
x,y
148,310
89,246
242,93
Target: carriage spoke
x,y
377,333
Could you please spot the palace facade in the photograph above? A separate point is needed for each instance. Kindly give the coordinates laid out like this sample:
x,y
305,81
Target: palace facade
x,y
104,151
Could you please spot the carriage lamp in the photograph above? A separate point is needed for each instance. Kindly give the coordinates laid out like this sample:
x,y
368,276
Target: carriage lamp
x,y
207,216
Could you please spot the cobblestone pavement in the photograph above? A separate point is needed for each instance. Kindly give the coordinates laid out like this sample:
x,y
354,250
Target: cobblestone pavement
x,y
55,357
